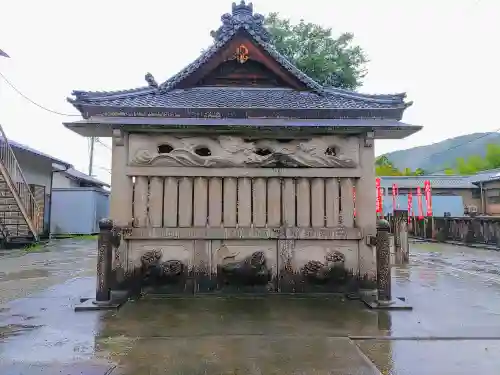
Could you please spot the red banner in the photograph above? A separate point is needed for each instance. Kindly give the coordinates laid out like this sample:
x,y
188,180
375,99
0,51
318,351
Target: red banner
x,y
410,206
419,200
394,190
428,197
379,196
354,199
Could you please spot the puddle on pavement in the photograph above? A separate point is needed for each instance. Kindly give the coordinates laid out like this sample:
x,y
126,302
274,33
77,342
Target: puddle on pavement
x,y
15,329
24,274
398,357
214,355
267,335
242,316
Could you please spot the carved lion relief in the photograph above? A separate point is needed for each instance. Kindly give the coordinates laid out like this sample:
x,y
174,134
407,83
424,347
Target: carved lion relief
x,y
229,151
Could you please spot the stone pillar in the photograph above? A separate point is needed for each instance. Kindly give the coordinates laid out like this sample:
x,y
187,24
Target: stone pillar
x,y
469,236
120,207
403,238
104,259
497,233
365,207
383,261
397,233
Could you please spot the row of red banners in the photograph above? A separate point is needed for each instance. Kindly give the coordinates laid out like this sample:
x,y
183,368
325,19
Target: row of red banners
x,y
395,194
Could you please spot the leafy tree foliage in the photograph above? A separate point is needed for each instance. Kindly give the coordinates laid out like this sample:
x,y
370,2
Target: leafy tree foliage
x,y
384,167
330,61
314,50
475,163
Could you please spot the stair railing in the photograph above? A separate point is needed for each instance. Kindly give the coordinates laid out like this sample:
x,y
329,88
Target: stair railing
x,y
20,189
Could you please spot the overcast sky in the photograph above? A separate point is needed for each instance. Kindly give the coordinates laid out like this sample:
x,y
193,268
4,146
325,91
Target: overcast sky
x,y
444,54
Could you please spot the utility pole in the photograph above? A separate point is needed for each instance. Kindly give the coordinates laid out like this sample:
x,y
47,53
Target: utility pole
x,y
91,161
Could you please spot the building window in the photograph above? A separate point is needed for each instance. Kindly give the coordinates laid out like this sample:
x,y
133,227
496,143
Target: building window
x,y
401,191
444,192
493,192
476,194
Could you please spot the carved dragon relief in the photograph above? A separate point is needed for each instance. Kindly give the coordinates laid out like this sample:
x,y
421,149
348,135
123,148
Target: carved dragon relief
x,y
228,151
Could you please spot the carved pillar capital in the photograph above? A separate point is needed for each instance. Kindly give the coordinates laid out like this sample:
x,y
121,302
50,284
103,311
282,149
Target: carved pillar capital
x,y
369,139
118,137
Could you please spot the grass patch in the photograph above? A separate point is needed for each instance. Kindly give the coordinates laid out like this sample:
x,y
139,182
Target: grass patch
x,y
35,247
75,236
85,236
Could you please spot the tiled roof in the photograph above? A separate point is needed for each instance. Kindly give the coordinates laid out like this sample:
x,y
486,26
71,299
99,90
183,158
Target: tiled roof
x,y
242,19
231,97
440,182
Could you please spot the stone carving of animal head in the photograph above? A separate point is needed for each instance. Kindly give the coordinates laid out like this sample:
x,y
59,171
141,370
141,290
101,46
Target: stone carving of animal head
x,y
257,259
150,258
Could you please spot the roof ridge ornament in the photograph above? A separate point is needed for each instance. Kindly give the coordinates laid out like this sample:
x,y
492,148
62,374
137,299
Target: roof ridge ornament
x,y
151,80
242,16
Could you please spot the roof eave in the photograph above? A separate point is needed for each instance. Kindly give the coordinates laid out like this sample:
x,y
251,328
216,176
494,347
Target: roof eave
x,y
382,129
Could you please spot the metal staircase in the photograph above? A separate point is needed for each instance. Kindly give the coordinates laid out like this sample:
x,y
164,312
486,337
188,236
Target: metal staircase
x,y
21,218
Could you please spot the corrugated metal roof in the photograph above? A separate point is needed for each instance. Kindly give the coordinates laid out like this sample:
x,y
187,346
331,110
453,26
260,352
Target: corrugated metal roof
x,y
73,173
440,182
489,175
20,146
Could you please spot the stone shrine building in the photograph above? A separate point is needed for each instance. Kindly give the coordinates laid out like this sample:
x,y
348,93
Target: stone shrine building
x,y
239,172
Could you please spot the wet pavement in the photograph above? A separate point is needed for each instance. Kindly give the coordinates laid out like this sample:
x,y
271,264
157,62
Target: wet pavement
x,y
454,327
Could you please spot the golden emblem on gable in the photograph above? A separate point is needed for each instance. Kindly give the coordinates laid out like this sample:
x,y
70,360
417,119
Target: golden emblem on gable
x,y
242,54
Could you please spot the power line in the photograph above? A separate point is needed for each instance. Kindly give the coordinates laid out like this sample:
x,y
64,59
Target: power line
x,y
32,101
102,143
457,146
104,169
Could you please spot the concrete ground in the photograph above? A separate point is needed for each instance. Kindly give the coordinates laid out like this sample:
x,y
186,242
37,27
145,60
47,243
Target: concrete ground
x,y
453,329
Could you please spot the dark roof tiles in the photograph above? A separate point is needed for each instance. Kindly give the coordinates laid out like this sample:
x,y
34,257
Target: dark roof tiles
x,y
224,97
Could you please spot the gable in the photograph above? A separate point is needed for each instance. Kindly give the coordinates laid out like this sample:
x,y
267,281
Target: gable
x,y
241,62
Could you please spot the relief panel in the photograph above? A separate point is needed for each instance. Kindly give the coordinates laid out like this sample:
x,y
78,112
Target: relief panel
x,y
162,266
241,267
319,267
231,151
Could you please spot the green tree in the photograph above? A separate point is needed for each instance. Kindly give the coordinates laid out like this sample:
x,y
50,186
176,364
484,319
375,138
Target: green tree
x,y
384,167
492,156
331,61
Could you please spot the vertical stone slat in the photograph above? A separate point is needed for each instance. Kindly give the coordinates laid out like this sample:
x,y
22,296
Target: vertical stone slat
x,y
289,202
141,201
215,202
200,202
244,202
186,202
274,202
303,203
332,202
259,202
170,202
346,185
156,201
229,201
318,202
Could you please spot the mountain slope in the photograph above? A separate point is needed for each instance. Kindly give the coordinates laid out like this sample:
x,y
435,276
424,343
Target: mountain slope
x,y
440,155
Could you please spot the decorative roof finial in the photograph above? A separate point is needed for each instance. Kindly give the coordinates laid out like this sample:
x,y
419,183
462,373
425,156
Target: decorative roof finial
x,y
151,80
241,17
242,9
